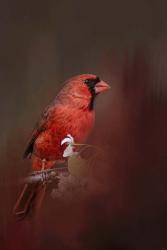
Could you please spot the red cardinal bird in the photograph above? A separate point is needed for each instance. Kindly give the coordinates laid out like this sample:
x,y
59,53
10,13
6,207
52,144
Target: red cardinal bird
x,y
71,112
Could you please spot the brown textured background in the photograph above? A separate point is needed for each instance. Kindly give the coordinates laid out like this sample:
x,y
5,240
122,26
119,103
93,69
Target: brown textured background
x,y
124,42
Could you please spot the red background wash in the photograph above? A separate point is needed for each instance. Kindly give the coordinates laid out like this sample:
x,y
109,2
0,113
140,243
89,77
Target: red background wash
x,y
44,43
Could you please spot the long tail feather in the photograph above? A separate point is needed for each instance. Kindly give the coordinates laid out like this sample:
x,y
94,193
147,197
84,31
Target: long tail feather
x,y
29,201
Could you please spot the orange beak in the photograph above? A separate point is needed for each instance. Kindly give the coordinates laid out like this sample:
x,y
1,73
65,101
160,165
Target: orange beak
x,y
101,86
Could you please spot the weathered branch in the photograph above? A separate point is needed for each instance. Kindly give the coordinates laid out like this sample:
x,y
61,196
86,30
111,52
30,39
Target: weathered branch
x,y
45,175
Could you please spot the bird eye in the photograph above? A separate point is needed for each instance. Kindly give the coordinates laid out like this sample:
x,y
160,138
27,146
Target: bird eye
x,y
86,81
92,81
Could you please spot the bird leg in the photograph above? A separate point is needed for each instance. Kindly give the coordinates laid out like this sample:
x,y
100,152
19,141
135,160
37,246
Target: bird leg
x,y
43,164
44,174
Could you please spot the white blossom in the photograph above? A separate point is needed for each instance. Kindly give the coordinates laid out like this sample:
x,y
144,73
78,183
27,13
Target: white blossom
x,y
69,140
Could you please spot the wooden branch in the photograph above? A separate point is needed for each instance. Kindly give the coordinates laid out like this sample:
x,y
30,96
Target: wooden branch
x,y
45,175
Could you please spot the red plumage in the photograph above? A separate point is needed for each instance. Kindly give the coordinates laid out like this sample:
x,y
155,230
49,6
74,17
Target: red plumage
x,y
72,113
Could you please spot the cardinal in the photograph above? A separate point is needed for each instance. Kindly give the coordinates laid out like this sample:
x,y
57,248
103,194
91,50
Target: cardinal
x,y
71,113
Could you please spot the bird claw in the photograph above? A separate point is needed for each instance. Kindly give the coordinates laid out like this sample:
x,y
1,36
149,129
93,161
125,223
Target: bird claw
x,y
44,177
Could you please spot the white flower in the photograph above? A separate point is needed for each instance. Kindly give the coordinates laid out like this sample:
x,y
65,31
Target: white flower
x,y
69,140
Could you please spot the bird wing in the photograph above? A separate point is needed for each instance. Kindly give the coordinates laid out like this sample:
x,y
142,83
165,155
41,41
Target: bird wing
x,y
39,128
